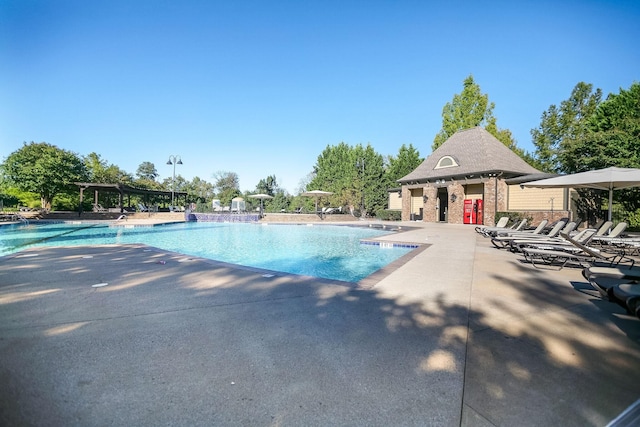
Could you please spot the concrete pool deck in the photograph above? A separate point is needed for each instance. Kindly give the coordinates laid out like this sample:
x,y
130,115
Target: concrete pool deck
x,y
462,334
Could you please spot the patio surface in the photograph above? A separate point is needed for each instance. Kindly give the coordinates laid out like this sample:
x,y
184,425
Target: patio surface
x,y
462,334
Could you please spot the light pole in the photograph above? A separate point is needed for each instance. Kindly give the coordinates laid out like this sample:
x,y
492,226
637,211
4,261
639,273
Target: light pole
x,y
360,165
174,160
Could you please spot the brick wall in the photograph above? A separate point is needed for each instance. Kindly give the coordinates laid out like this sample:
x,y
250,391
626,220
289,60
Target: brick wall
x,y
455,214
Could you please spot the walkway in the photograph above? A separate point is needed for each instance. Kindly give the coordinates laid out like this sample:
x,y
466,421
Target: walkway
x,y
461,335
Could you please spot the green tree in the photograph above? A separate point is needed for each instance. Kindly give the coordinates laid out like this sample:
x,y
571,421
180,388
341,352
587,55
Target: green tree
x,y
179,184
99,171
336,171
355,176
371,176
612,138
147,171
281,201
198,189
560,127
146,175
405,162
469,109
268,185
44,169
227,186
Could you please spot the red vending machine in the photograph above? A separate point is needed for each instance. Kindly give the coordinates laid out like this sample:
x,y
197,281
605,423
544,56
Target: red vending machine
x,y
479,214
468,211
472,211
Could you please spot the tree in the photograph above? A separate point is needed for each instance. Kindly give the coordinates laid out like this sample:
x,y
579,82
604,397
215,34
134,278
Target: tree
x,y
44,169
373,185
179,184
611,138
198,189
100,171
405,162
355,176
146,177
147,171
561,126
336,171
281,201
268,185
469,109
227,185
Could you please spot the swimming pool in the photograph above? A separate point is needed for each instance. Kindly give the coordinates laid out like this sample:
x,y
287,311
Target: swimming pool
x,y
327,251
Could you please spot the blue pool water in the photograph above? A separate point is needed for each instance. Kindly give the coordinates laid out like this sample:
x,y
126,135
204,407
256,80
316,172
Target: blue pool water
x,y
332,252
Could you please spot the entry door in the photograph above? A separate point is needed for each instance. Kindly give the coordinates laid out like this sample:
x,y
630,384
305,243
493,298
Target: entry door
x,y
443,202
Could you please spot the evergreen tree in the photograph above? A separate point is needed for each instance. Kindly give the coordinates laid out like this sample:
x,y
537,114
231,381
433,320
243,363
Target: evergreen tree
x,y
469,109
405,162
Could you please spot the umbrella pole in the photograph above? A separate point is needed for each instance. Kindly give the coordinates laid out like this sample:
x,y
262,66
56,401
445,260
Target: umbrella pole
x,y
610,202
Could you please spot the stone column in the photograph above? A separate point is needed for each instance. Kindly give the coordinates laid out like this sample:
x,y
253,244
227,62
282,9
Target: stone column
x,y
406,203
429,213
455,193
489,202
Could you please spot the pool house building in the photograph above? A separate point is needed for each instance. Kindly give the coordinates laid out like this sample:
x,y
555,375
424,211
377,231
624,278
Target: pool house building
x,y
471,177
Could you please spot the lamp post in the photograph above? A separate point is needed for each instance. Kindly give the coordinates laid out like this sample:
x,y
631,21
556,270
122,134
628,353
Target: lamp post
x,y
174,160
360,165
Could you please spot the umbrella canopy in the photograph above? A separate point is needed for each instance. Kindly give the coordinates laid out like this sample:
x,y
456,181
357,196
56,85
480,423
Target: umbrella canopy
x,y
316,194
261,196
603,179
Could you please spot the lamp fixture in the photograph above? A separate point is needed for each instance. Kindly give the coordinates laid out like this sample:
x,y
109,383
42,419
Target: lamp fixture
x,y
174,160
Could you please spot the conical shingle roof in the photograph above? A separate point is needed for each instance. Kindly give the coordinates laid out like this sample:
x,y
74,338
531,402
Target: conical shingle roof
x,y
471,152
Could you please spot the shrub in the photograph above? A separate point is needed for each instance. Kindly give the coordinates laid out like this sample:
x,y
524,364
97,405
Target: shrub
x,y
513,217
389,215
634,220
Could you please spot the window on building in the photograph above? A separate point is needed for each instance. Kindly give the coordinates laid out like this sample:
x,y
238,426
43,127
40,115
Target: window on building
x,y
446,162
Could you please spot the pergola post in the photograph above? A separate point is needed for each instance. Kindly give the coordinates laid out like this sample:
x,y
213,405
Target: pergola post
x,y
81,199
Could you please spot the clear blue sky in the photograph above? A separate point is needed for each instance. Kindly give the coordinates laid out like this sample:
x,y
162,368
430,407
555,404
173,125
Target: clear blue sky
x,y
262,87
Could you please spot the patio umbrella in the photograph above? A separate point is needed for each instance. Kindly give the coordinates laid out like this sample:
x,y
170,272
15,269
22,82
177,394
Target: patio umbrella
x,y
603,179
316,194
261,196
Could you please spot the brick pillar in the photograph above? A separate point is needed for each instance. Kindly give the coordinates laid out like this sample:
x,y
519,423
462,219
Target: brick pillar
x,y
406,203
489,202
455,213
429,213
495,199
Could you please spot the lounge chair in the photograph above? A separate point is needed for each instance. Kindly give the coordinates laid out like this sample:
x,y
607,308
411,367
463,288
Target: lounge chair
x,y
500,225
630,245
628,296
505,237
552,235
332,210
614,234
528,232
560,243
585,236
603,279
142,208
97,207
619,272
586,257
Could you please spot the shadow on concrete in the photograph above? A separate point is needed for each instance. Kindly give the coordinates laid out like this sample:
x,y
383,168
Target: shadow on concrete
x,y
176,340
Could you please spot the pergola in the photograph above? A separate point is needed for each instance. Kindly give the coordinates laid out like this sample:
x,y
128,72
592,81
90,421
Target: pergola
x,y
122,190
